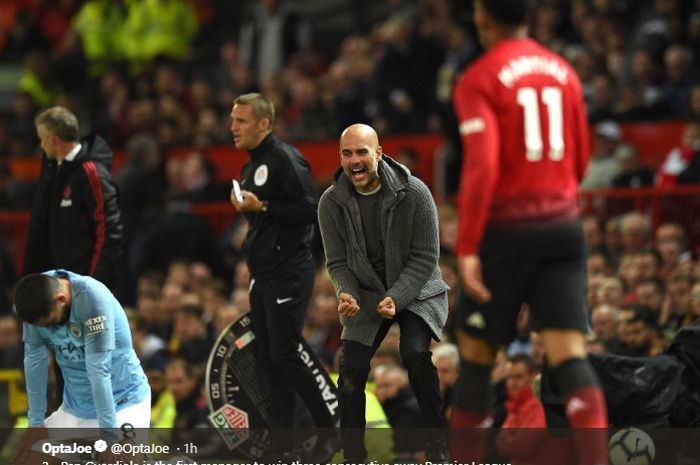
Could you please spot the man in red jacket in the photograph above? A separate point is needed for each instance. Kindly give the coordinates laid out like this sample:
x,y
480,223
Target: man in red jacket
x,y
523,438
524,409
523,124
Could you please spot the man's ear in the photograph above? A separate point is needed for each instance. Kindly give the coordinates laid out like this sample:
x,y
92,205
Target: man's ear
x,y
61,298
379,152
265,124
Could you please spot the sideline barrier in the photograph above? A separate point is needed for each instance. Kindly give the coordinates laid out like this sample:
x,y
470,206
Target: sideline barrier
x,y
652,139
679,204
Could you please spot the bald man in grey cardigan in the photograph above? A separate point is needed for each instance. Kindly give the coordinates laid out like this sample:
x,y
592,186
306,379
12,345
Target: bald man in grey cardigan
x,y
380,234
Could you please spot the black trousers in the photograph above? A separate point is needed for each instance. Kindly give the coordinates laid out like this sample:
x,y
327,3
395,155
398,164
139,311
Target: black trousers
x,y
277,312
354,369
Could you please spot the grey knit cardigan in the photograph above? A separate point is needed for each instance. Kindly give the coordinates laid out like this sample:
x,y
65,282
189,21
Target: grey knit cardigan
x,y
412,250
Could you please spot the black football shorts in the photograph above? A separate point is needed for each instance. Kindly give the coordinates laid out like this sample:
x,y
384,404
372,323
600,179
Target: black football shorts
x,y
543,265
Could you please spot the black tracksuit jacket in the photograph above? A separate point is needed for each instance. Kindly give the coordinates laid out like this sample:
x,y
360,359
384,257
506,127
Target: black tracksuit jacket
x,y
75,222
278,240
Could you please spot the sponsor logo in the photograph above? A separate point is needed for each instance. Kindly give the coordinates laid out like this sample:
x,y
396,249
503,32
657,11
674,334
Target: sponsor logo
x,y
574,406
282,301
96,324
232,424
69,352
472,125
327,394
260,176
476,320
66,200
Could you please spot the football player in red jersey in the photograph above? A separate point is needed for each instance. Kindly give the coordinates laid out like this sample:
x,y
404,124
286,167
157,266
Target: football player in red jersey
x,y
523,123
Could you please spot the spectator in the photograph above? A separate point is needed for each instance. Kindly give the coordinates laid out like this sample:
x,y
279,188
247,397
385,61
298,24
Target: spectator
x,y
611,239
225,316
447,215
197,181
446,361
679,158
592,234
241,299
648,264
524,411
677,301
100,26
694,311
406,67
602,98
22,131
650,293
671,244
630,170
37,80
641,334
272,33
159,28
603,165
183,381
213,292
604,321
597,264
450,274
680,77
163,408
401,407
635,232
610,291
192,340
628,272
148,347
691,173
314,120
322,328
11,346
646,75
693,111
141,183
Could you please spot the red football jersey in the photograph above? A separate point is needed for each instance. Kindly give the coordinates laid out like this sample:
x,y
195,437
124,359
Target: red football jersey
x,y
524,130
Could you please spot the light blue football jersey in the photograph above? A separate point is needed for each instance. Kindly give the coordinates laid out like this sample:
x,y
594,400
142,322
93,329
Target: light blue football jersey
x,y
95,353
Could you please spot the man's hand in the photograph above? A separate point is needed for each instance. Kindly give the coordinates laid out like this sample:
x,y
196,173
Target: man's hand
x,y
23,453
251,202
348,305
387,308
472,280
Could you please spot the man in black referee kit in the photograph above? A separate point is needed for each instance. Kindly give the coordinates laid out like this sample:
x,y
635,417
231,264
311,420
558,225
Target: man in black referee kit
x,y
279,201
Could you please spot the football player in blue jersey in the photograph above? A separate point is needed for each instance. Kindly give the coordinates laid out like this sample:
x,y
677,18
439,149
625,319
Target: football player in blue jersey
x,y
78,319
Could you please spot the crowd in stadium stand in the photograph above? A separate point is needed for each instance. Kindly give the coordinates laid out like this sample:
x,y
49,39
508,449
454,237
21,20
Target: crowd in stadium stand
x,y
638,60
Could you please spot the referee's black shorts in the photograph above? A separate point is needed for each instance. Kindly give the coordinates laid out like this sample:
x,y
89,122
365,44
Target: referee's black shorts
x,y
543,265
